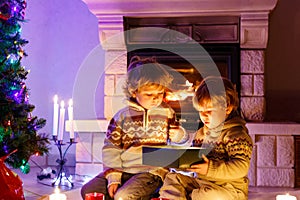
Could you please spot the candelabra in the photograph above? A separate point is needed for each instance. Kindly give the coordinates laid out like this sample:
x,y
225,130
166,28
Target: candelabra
x,y
62,171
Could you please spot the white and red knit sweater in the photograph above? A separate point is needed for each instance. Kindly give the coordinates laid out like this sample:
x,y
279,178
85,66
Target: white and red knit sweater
x,y
129,129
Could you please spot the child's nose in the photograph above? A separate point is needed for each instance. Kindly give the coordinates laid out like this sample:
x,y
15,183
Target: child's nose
x,y
155,97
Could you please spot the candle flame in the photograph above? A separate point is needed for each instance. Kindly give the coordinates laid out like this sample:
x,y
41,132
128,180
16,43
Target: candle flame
x,y
62,104
55,98
70,102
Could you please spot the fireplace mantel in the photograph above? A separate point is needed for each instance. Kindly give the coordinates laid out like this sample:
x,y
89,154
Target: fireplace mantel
x,y
178,7
254,15
253,38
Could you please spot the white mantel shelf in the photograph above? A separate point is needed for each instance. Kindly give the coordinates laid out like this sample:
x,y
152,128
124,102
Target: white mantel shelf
x,y
92,126
177,7
274,128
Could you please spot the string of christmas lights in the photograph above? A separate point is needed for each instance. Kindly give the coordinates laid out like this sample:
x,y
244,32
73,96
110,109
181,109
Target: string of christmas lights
x,y
18,128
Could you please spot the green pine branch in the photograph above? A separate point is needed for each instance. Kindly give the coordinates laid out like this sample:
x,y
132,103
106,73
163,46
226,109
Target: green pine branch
x,y
19,137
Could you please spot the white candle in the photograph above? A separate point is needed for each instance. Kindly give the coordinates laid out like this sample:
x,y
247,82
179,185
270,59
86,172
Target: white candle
x,y
57,196
61,121
55,116
286,197
70,114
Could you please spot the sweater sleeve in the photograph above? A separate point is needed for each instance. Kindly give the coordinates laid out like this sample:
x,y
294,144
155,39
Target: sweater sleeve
x,y
233,169
238,146
111,153
180,135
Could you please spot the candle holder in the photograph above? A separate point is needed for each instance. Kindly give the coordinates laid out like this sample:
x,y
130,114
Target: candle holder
x,y
61,162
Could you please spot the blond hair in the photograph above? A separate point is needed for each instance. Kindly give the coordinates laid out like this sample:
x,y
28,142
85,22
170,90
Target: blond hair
x,y
145,72
219,90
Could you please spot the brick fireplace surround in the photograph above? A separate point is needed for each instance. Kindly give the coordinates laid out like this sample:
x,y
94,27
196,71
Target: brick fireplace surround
x,y
273,155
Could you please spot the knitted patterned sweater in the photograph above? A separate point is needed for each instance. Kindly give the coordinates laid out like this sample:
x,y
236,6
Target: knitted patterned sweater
x,y
230,157
129,129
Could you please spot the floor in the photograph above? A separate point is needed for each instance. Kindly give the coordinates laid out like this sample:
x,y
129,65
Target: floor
x,y
35,189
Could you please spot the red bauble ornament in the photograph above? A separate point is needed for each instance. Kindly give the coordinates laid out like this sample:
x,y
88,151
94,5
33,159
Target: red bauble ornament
x,y
5,11
10,183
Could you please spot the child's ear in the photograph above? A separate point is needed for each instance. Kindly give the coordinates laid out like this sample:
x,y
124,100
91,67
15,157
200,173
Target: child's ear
x,y
229,109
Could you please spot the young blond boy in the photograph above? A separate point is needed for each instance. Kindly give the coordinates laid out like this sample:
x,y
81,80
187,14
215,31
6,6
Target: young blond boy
x,y
223,174
144,121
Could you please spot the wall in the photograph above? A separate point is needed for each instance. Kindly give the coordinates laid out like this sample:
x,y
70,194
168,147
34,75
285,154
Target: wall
x,y
61,35
282,63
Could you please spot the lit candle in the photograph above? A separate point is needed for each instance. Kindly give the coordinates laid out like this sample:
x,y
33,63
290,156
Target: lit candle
x,y
70,114
61,121
57,196
94,196
55,116
285,197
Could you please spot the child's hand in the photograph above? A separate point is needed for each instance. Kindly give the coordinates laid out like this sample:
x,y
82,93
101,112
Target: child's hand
x,y
176,133
200,168
112,189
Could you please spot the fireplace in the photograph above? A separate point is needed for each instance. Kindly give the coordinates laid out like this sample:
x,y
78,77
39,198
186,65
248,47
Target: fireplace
x,y
226,58
175,42
246,27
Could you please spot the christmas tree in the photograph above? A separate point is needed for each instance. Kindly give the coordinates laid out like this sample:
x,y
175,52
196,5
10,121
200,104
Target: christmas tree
x,y
19,139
